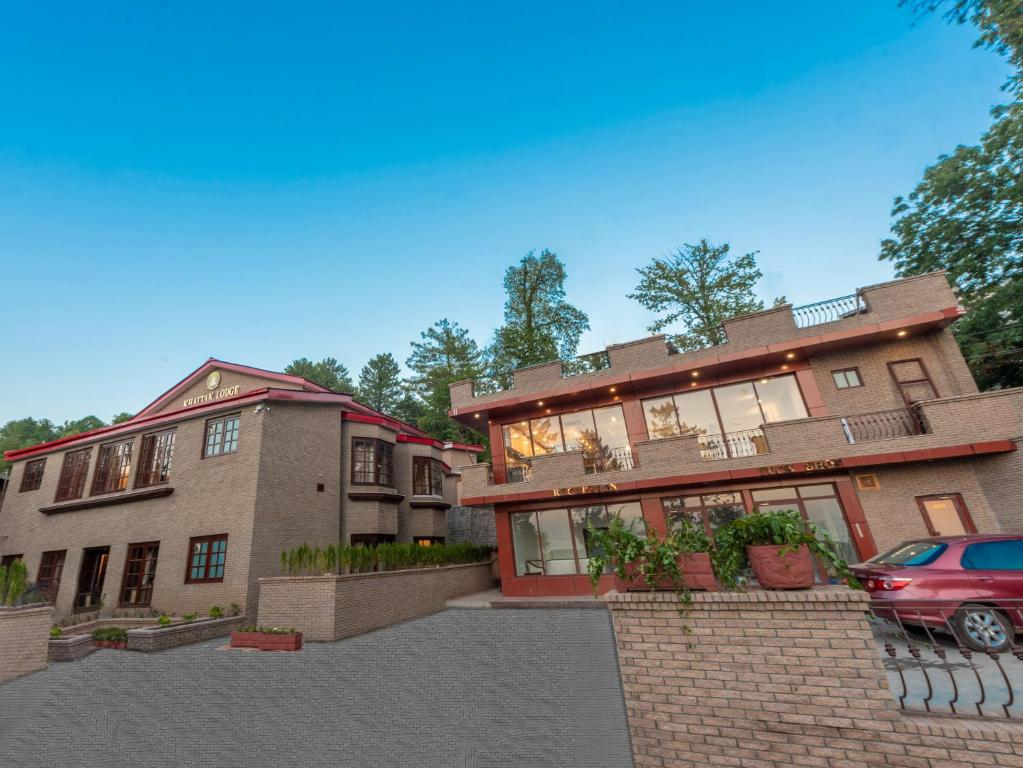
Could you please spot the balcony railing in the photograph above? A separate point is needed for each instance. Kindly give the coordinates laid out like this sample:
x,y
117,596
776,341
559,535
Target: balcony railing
x,y
883,425
595,361
952,658
609,460
518,473
733,445
829,311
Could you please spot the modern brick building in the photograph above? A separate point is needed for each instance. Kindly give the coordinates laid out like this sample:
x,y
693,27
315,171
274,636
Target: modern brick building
x,y
859,412
184,506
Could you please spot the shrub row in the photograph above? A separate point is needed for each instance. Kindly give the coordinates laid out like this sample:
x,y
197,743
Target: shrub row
x,y
342,558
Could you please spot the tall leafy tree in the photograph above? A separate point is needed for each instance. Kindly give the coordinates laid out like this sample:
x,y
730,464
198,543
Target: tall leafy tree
x,y
966,215
446,354
327,373
84,424
21,433
539,324
120,418
699,286
380,384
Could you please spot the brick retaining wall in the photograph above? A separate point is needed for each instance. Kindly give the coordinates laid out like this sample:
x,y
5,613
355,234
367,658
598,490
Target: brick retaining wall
x,y
23,638
70,648
331,607
771,679
153,639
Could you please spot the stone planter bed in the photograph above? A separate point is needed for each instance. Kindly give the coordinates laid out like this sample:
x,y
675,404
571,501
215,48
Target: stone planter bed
x,y
70,648
151,639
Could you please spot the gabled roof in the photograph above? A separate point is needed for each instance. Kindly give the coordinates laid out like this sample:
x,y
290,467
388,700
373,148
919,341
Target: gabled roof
x,y
211,364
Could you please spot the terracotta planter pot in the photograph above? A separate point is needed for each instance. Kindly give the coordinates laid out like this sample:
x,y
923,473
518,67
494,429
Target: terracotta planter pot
x,y
697,573
117,644
793,570
267,642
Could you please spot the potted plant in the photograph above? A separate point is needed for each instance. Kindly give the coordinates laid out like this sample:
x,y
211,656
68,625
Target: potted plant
x,y
110,637
779,547
267,638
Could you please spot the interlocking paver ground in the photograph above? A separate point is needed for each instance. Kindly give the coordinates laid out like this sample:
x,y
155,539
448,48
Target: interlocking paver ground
x,y
459,689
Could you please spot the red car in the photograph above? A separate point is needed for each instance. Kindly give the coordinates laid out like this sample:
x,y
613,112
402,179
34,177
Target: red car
x,y
970,585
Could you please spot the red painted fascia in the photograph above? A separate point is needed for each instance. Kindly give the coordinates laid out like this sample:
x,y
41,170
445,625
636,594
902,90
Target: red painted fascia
x,y
463,447
420,440
731,475
380,421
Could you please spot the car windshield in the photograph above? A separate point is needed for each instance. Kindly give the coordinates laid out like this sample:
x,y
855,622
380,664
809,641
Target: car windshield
x,y
912,553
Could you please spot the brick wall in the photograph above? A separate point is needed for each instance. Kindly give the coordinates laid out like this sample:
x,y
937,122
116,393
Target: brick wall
x,y
770,679
1001,477
475,525
332,607
152,639
23,639
70,648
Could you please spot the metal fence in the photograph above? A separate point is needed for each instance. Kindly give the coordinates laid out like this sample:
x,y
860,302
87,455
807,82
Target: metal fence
x,y
883,425
952,657
608,460
733,445
829,310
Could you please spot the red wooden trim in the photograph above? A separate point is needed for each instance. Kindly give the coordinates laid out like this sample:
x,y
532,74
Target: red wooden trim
x,y
463,447
855,519
420,441
362,418
812,397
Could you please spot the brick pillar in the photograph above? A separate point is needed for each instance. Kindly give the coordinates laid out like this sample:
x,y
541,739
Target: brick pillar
x,y
772,679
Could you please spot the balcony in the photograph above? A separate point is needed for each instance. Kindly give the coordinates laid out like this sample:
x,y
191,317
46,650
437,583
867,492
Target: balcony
x,y
942,428
914,304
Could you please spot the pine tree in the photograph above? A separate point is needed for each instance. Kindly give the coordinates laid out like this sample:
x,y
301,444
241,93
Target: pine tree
x,y
380,385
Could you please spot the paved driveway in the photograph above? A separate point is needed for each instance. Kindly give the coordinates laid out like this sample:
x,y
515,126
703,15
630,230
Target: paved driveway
x,y
460,689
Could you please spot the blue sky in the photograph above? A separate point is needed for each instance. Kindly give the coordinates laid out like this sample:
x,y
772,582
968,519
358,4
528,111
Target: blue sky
x,y
258,182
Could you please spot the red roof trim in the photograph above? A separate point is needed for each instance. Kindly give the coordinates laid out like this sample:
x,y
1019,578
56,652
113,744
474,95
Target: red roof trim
x,y
380,421
420,440
463,447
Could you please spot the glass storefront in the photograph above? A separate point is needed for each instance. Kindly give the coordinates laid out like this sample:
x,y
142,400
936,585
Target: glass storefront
x,y
556,542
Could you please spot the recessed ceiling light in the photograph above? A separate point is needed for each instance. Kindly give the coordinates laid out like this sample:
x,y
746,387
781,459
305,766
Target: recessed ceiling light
x,y
548,410
612,390
695,374
763,381
902,333
539,402
693,384
790,355
784,367
477,415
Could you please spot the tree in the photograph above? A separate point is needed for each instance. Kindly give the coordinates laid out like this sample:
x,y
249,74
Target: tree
x,y
380,385
539,325
966,215
84,424
445,355
699,285
408,409
327,373
21,433
120,418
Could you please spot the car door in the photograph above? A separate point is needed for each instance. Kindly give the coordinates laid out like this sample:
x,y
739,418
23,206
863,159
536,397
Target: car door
x,y
996,570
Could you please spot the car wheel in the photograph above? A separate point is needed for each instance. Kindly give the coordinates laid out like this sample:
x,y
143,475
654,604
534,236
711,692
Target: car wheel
x,y
982,628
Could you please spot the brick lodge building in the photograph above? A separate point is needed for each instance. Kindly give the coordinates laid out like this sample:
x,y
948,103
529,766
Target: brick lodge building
x,y
187,504
859,412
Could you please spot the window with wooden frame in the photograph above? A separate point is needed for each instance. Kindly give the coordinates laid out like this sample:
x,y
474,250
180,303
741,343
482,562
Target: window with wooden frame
x,y
221,435
139,574
113,467
913,380
207,556
847,378
945,515
155,459
427,476
51,567
372,462
6,560
32,477
71,484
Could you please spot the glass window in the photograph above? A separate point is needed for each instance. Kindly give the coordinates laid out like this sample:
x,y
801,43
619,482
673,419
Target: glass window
x,y
661,417
139,574
526,542
610,423
71,484
155,459
942,516
51,567
32,478
696,414
846,378
556,542
912,553
773,494
113,467
827,515
737,404
207,557
579,430
517,444
810,491
780,399
994,556
713,510
221,435
427,476
372,462
546,435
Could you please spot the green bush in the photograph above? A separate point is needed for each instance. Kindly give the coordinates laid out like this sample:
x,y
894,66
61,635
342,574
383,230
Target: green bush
x,y
342,558
216,612
16,582
189,617
56,632
164,620
109,633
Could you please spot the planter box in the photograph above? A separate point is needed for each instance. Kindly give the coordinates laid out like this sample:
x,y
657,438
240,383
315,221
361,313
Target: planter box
x,y
158,638
119,645
70,647
696,569
791,570
267,642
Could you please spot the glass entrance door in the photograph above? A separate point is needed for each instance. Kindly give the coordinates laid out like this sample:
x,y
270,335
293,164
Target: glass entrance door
x,y
93,571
